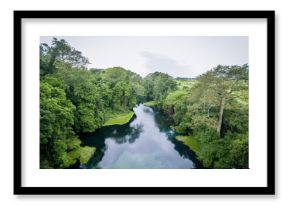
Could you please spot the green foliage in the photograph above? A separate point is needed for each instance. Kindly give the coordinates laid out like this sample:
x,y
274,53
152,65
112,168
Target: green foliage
x,y
172,99
59,147
85,118
211,111
74,99
60,52
158,85
56,113
119,119
224,153
86,153
139,91
189,141
126,87
84,92
151,103
198,111
238,154
185,84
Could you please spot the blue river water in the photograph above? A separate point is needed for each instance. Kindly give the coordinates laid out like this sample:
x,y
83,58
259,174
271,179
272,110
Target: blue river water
x,y
146,142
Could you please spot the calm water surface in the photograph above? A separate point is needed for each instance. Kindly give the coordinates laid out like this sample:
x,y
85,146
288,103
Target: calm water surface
x,y
147,142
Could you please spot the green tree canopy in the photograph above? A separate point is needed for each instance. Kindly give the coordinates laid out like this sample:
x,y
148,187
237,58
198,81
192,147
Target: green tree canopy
x,y
158,85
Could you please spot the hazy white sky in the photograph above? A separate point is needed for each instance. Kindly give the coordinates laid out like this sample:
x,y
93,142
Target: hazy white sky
x,y
179,56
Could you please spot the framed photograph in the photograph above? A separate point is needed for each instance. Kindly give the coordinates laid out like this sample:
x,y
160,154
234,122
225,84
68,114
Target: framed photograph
x,y
144,102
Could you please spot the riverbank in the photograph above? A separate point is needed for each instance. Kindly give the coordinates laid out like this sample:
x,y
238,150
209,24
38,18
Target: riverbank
x,y
190,142
119,118
144,143
150,103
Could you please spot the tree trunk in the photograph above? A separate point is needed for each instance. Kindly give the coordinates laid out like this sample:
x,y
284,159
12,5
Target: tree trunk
x,y
208,112
51,62
219,126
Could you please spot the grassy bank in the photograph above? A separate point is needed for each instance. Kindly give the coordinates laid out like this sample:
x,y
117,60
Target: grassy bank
x,y
150,103
190,142
119,118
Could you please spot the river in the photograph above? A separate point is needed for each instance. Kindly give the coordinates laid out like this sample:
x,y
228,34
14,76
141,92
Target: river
x,y
146,142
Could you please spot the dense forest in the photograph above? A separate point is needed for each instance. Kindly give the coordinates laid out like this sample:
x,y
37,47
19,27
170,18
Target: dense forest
x,y
210,112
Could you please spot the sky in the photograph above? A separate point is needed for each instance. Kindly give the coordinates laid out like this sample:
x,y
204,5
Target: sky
x,y
179,56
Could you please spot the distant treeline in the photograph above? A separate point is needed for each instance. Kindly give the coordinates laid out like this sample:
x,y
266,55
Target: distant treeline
x,y
181,78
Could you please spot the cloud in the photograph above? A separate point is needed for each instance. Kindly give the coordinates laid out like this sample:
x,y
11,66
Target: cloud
x,y
155,62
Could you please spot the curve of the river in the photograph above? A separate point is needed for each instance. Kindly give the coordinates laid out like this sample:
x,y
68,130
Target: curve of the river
x,y
146,142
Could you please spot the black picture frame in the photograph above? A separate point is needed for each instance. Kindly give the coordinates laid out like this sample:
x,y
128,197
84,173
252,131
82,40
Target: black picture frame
x,y
269,189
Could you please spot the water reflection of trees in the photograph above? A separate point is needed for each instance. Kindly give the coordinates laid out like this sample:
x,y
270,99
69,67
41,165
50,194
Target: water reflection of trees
x,y
163,123
148,110
97,140
97,157
185,152
127,133
119,133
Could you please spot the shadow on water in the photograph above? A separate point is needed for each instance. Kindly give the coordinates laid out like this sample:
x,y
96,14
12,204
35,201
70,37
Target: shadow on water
x,y
163,122
119,133
147,141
